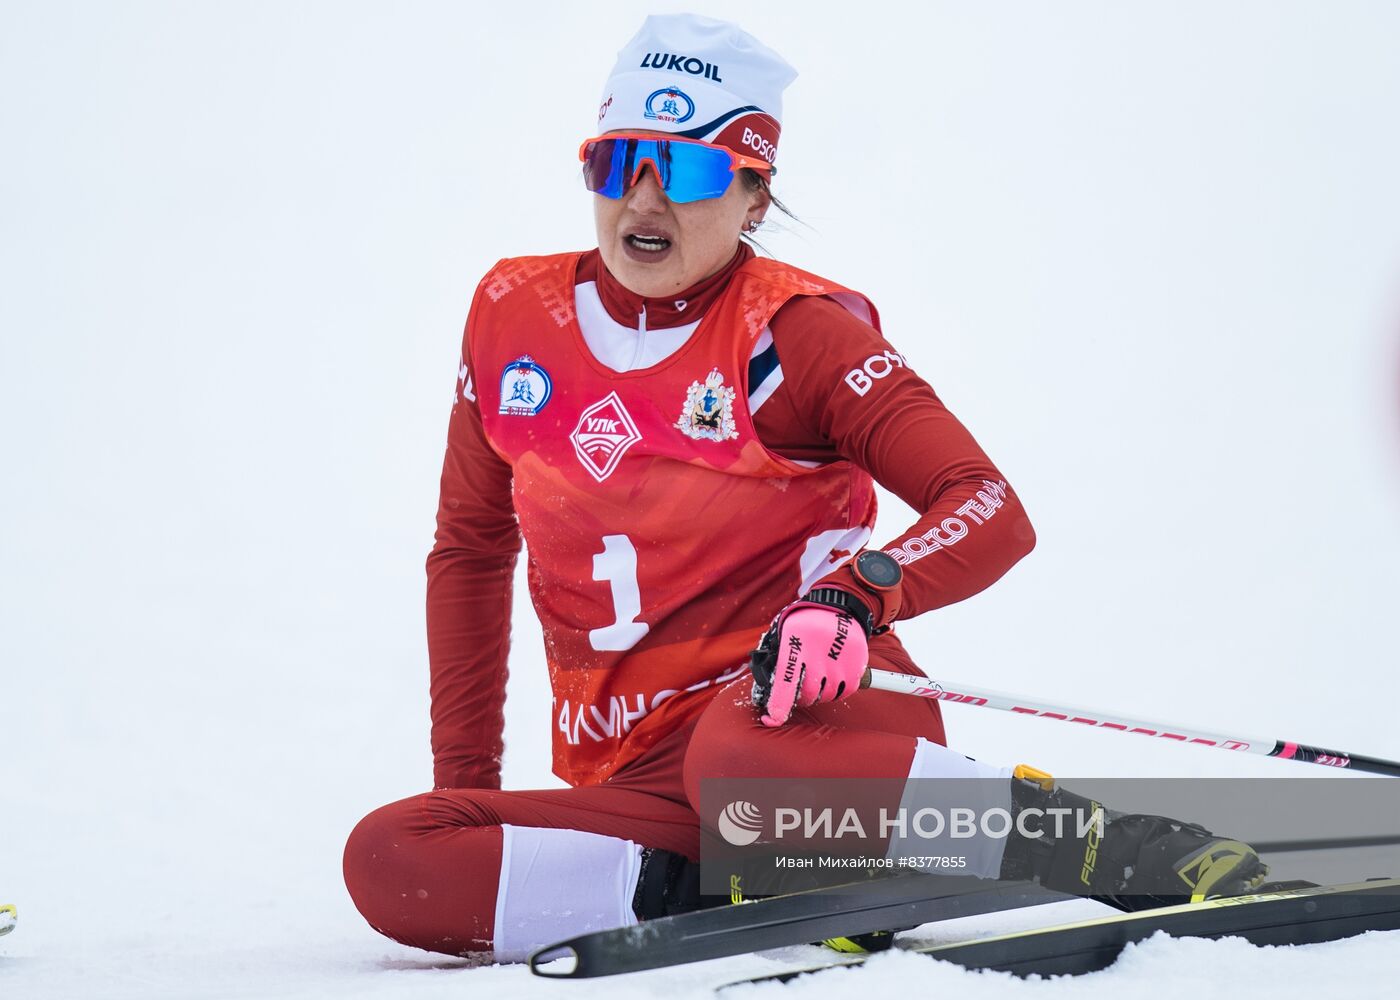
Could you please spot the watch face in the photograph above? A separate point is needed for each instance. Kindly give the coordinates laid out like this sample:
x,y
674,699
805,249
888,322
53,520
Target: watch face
x,y
878,570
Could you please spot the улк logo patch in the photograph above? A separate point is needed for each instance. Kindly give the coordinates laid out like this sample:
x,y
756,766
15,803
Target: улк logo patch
x,y
525,388
605,431
708,413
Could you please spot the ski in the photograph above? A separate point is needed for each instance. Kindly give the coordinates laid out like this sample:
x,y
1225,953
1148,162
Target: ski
x,y
8,916
1302,915
902,900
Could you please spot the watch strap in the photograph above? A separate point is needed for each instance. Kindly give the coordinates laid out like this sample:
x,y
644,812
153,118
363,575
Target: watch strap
x,y
843,600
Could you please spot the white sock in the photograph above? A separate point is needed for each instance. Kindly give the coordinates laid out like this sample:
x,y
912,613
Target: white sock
x,y
555,884
991,789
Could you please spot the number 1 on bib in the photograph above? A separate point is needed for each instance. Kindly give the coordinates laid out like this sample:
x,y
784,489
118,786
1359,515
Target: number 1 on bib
x,y
617,566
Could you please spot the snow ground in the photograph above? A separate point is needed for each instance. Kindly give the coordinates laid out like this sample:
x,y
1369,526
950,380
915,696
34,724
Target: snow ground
x,y
169,964
1147,252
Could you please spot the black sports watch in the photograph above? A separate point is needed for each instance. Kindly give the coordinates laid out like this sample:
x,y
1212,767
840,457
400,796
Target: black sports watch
x,y
872,570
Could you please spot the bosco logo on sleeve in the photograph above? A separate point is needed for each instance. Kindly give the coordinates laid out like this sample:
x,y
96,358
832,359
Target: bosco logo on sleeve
x,y
875,367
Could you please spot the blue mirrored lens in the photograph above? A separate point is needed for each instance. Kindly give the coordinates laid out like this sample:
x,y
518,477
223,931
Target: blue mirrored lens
x,y
686,171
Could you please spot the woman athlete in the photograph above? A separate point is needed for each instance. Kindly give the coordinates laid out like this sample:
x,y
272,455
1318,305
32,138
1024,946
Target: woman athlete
x,y
686,435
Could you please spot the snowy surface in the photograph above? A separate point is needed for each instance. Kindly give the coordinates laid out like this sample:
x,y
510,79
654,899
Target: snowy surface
x,y
1148,252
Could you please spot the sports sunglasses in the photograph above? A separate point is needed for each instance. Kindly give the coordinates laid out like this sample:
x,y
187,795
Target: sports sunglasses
x,y
687,169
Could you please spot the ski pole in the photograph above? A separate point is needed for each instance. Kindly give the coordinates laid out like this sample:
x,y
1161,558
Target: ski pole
x,y
964,694
1323,843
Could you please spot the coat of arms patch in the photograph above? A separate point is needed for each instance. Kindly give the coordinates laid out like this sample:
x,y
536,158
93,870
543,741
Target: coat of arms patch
x,y
708,413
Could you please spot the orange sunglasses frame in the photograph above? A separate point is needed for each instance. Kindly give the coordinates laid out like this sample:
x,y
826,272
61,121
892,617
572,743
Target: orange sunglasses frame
x,y
736,162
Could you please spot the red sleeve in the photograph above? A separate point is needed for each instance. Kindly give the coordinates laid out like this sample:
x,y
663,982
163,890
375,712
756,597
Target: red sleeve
x,y
847,394
470,577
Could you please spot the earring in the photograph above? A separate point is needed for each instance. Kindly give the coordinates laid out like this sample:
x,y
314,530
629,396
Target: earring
x,y
754,224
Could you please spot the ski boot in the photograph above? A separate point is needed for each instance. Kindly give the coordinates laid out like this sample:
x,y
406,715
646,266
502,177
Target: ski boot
x,y
1131,861
8,916
669,884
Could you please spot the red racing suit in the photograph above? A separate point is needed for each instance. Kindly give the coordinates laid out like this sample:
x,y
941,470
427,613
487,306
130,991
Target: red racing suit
x,y
670,511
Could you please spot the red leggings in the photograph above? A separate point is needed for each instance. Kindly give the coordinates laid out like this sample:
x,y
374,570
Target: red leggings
x,y
424,870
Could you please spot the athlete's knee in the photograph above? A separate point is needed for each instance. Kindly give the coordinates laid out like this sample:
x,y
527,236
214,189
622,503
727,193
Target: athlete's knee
x,y
400,872
372,856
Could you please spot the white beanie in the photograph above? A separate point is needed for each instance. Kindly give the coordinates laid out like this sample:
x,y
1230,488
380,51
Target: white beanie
x,y
699,78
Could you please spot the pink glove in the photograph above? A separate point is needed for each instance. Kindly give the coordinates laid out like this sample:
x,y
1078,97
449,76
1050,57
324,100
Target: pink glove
x,y
821,656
